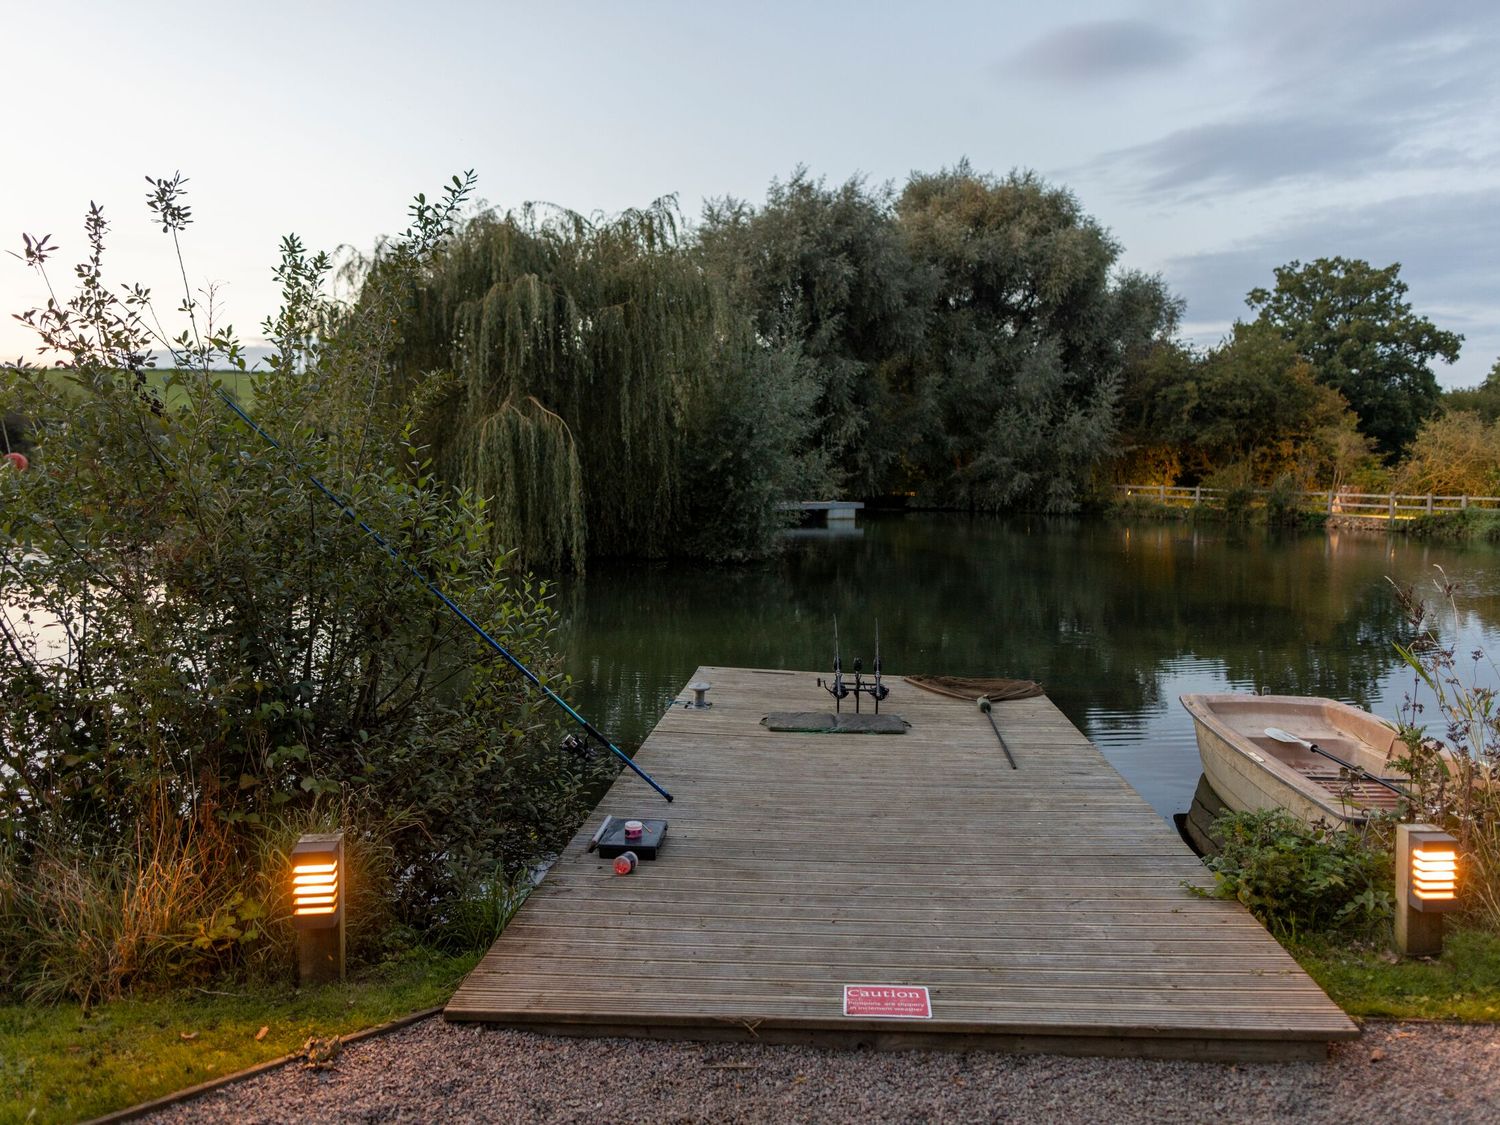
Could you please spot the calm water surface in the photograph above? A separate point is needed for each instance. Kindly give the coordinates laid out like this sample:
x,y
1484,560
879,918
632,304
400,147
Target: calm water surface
x,y
1115,621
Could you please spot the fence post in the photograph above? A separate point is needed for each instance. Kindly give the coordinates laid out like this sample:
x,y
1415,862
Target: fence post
x,y
1197,495
1163,493
1330,501
1391,507
1429,503
1463,502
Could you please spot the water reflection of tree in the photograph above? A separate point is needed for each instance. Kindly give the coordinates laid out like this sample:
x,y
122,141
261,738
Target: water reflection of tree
x,y
1098,613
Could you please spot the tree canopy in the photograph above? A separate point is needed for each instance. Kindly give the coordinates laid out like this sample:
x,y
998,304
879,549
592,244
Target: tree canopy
x,y
605,394
1483,400
1352,322
826,266
1011,400
967,335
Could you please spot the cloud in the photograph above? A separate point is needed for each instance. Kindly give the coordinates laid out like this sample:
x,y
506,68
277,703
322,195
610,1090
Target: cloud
x,y
1446,243
1252,153
1328,92
1313,39
1102,50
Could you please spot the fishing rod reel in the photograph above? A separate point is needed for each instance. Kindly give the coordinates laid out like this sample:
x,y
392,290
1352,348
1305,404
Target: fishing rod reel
x,y
836,687
841,690
876,690
579,747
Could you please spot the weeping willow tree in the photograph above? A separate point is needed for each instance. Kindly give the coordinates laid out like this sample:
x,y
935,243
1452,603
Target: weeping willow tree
x,y
591,360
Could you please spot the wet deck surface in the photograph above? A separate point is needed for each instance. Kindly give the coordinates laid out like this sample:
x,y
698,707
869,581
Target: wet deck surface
x,y
1043,908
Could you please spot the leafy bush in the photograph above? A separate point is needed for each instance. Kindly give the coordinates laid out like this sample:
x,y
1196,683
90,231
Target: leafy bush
x,y
1299,880
1284,501
1234,493
1454,454
1287,507
200,648
1467,523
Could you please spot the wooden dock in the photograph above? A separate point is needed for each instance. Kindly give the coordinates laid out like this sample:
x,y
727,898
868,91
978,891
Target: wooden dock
x,y
833,511
1042,907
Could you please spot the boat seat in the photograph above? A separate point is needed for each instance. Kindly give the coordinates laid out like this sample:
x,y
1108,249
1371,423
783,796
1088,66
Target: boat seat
x,y
1366,793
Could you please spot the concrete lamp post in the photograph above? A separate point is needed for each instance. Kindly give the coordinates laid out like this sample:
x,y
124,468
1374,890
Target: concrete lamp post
x,y
318,907
1426,887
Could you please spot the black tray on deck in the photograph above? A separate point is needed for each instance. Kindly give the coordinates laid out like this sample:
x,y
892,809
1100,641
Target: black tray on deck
x,y
613,842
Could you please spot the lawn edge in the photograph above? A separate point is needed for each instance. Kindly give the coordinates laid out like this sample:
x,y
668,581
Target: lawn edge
x,y
130,1113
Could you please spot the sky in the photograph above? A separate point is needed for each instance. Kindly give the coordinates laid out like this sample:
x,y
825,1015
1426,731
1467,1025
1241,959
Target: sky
x,y
1215,139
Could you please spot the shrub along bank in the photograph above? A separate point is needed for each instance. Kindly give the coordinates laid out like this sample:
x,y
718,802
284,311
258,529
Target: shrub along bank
x,y
204,657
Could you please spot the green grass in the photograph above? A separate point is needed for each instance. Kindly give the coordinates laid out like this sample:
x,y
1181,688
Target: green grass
x,y
237,384
1464,984
59,1064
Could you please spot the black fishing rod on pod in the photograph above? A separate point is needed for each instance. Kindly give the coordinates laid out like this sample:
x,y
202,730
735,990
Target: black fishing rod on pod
x,y
432,588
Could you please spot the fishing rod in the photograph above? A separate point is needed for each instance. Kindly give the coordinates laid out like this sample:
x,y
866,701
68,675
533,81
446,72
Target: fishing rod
x,y
877,690
433,588
838,689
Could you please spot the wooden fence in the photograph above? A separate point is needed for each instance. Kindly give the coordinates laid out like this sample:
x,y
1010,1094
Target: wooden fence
x,y
1390,506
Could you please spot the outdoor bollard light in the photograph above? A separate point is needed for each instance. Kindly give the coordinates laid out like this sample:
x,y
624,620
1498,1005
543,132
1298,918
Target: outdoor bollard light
x,y
318,907
1426,887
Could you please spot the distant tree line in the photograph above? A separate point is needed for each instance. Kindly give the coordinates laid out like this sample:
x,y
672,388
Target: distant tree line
x,y
630,386
638,385
1329,386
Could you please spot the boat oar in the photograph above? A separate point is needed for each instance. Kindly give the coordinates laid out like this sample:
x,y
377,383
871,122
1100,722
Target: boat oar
x,y
1285,736
986,707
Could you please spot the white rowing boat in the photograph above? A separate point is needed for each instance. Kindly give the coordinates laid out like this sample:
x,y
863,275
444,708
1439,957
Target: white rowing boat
x,y
1251,769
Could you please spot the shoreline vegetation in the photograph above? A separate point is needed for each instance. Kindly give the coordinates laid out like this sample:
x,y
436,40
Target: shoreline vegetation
x,y
1473,525
646,385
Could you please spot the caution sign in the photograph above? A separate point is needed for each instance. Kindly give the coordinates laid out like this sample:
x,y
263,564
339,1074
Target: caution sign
x,y
888,1001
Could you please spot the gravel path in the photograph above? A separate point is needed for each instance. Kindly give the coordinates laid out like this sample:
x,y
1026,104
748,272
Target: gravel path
x,y
433,1071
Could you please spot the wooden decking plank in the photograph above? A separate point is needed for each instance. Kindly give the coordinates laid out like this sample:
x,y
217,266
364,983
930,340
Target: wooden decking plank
x,y
1042,905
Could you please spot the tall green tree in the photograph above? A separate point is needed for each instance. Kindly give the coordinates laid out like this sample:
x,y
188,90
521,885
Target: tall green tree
x,y
594,365
1353,323
825,265
1252,401
1013,397
1146,452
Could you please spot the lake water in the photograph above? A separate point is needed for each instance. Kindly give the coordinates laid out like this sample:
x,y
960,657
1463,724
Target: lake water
x,y
1115,621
